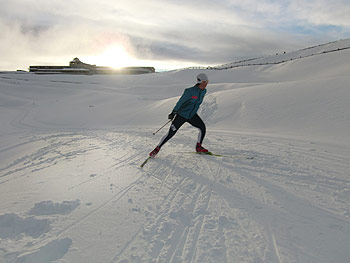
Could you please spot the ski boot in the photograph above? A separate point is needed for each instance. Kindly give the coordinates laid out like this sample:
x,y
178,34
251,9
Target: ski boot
x,y
154,152
200,148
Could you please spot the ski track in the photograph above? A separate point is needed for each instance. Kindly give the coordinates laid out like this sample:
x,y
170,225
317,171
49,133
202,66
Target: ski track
x,y
198,208
28,164
264,242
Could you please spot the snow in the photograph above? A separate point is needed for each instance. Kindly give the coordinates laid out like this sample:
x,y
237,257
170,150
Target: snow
x,y
72,190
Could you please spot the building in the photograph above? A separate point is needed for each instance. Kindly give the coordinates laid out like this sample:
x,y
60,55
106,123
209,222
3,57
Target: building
x,y
78,67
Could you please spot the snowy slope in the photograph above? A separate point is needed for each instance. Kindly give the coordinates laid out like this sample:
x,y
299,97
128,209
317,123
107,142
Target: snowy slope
x,y
71,188
289,56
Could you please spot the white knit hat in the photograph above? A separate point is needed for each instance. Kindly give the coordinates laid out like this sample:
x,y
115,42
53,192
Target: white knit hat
x,y
202,77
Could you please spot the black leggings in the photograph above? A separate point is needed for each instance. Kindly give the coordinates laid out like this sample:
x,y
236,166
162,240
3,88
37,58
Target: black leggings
x,y
195,121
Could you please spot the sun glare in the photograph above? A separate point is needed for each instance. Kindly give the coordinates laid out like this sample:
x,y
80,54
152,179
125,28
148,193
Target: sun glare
x,y
116,57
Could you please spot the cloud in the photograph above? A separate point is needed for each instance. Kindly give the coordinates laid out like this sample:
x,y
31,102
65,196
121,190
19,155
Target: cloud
x,y
322,12
199,32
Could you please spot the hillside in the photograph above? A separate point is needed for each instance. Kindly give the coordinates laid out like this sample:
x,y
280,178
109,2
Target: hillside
x,y
72,189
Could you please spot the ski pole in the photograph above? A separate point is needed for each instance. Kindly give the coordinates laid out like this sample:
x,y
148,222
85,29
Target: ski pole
x,y
162,127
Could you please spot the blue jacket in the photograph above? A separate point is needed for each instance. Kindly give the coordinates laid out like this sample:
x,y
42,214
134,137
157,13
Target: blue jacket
x,y
188,104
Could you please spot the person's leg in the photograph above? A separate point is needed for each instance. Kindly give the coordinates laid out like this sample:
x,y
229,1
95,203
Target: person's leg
x,y
175,125
197,122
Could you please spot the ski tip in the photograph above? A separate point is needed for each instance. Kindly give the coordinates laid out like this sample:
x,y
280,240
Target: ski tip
x,y
143,164
214,154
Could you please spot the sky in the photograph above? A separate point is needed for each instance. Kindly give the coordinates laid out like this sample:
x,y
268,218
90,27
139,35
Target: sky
x,y
165,34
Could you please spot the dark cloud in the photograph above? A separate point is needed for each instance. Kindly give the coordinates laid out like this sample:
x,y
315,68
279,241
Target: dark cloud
x,y
198,32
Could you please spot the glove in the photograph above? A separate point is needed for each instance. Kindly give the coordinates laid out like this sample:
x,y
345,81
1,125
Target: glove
x,y
171,115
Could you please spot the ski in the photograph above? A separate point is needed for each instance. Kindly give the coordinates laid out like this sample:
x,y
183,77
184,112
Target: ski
x,y
221,155
143,164
210,153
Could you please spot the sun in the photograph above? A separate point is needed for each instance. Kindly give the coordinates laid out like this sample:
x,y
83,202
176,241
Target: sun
x,y
116,57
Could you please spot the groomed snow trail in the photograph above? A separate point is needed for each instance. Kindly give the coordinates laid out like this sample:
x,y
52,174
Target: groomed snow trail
x,y
91,202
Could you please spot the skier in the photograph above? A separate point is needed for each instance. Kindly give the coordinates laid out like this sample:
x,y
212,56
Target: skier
x,y
185,110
